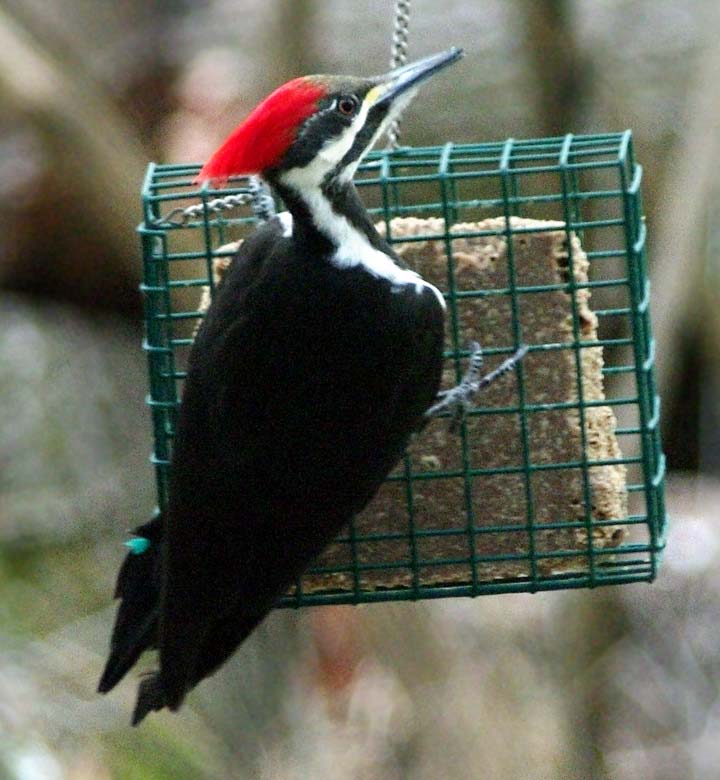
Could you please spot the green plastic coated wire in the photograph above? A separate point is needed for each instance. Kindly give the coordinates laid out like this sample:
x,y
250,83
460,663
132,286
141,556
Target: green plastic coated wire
x,y
590,187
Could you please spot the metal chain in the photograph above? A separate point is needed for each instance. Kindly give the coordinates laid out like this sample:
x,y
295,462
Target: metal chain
x,y
399,57
263,202
258,195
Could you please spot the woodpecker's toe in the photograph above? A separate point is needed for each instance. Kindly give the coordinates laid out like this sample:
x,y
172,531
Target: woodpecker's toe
x,y
459,400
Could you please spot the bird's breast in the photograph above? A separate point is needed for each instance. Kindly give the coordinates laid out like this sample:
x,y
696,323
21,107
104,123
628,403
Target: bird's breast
x,y
345,338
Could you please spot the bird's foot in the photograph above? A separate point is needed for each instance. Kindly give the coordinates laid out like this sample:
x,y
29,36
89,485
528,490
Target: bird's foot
x,y
458,400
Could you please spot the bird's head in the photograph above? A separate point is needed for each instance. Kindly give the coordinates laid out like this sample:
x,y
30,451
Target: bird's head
x,y
317,128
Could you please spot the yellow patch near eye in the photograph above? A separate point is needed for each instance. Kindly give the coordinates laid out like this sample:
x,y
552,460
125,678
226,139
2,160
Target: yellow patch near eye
x,y
375,94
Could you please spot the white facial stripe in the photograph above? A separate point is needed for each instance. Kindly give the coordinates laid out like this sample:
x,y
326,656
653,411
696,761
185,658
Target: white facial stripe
x,y
396,110
329,156
353,247
334,150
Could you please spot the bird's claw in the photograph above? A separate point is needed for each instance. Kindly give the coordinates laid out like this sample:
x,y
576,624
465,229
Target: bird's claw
x,y
458,400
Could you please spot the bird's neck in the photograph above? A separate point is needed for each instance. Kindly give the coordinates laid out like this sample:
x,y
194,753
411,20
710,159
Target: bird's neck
x,y
333,219
331,224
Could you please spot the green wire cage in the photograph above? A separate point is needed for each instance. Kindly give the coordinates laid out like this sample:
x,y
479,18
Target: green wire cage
x,y
556,479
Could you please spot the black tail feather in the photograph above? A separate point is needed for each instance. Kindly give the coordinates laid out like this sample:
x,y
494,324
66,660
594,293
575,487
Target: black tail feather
x,y
151,697
138,587
124,655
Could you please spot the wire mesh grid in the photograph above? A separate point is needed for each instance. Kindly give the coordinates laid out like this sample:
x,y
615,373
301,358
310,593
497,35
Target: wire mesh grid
x,y
589,186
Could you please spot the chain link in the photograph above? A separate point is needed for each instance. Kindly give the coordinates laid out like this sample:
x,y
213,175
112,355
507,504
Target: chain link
x,y
258,195
263,202
399,57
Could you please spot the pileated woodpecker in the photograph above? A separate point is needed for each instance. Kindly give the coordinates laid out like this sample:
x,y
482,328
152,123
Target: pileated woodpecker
x,y
315,363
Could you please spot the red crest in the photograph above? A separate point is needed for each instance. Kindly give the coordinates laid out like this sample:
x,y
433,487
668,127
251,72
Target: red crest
x,y
261,140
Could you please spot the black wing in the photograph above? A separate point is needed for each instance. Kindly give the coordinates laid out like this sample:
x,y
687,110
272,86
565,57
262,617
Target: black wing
x,y
141,582
303,388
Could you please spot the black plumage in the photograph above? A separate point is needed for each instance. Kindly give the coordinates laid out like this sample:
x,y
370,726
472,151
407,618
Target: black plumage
x,y
305,382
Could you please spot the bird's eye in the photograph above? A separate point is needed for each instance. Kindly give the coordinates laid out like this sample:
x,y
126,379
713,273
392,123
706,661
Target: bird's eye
x,y
347,105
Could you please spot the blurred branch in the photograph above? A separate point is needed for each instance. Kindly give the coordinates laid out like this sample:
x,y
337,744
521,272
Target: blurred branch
x,y
593,623
709,454
557,63
291,36
679,307
123,46
93,148
682,306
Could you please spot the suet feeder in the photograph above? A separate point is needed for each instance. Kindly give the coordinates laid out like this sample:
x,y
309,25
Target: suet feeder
x,y
555,480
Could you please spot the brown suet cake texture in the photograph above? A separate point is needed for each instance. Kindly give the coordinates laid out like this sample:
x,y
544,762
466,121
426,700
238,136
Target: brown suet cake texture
x,y
442,545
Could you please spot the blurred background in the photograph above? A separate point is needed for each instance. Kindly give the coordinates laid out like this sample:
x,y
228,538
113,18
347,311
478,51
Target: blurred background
x,y
617,684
